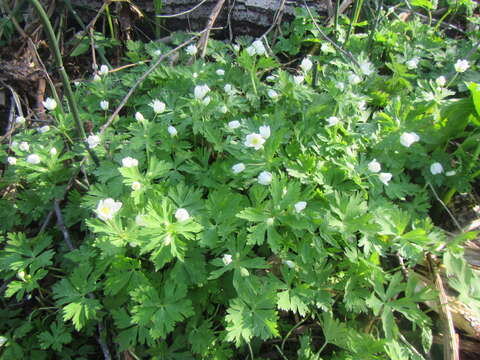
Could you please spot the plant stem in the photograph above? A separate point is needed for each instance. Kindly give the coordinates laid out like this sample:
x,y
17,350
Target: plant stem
x,y
252,77
63,74
110,23
354,19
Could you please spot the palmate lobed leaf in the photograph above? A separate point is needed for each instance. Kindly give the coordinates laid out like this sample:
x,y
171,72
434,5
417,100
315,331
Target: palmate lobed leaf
x,y
159,312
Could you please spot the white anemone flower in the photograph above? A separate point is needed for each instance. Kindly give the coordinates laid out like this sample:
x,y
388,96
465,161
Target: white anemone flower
x,y
33,159
20,120
461,65
139,116
436,168
140,221
254,140
409,138
235,124
300,206
306,64
366,67
50,104
206,100
340,86
158,106
24,146
220,72
104,105
412,63
441,81
238,168
251,51
332,121
264,178
227,259
96,78
172,130
354,78
191,50
272,94
264,131
259,47
201,91
374,166
103,70
107,208
182,214
53,151
289,263
93,141
136,186
228,88
298,79
385,177
43,129
129,162
11,160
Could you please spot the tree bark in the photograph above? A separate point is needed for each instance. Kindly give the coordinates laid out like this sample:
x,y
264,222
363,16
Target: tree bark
x,y
246,17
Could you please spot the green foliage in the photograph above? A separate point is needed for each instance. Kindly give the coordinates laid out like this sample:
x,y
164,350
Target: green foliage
x,y
223,221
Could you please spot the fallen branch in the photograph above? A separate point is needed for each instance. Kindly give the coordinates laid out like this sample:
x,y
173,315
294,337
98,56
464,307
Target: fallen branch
x,y
202,43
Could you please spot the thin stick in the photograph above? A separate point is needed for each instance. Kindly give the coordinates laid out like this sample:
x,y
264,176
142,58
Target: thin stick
x,y
344,52
276,19
203,41
457,224
410,346
46,221
103,345
141,79
183,13
281,352
61,225
82,33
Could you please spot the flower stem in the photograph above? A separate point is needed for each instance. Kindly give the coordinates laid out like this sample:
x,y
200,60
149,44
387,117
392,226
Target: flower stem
x,y
63,74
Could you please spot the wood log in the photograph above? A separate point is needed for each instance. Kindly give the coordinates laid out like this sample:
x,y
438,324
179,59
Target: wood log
x,y
247,17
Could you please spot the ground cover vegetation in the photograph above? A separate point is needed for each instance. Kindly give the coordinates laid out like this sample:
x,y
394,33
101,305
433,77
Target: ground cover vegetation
x,y
272,199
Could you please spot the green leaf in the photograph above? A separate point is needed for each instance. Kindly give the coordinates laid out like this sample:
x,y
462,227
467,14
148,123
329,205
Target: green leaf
x,y
251,317
55,338
296,299
160,311
22,252
122,274
253,214
202,338
475,91
426,4
73,293
81,311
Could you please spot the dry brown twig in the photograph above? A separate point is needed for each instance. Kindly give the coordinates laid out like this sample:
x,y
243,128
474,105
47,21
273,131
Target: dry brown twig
x,y
203,41
277,18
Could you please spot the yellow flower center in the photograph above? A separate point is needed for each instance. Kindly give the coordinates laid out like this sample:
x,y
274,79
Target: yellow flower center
x,y
105,210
